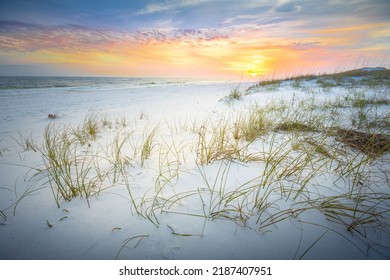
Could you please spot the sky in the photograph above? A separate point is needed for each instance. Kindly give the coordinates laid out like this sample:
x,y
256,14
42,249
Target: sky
x,y
191,38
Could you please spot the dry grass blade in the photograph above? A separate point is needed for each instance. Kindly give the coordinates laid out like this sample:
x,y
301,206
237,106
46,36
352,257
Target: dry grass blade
x,y
234,94
182,234
252,126
312,245
280,216
3,216
125,242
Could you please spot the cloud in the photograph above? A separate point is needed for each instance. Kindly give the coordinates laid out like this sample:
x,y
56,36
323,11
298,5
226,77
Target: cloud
x,y
168,5
239,18
225,35
289,7
19,36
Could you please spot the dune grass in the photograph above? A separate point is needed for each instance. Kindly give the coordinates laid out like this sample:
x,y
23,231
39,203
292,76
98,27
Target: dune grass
x,y
294,146
71,172
235,94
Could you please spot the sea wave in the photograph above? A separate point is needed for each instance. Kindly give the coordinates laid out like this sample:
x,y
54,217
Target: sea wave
x,y
90,83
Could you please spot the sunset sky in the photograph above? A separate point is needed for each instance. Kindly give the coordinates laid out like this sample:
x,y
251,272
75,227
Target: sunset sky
x,y
191,38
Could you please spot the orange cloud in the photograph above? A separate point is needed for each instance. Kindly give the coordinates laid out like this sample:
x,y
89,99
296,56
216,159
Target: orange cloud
x,y
228,52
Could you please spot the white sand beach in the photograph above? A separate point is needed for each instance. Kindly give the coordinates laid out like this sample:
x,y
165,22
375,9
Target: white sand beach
x,y
180,170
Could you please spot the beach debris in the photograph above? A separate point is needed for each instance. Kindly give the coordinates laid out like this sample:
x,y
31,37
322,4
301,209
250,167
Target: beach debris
x,y
50,225
63,218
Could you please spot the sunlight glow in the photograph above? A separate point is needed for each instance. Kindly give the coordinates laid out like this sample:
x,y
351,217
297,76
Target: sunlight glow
x,y
244,45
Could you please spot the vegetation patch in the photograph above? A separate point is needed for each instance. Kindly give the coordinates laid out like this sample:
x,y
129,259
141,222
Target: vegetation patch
x,y
369,143
370,77
256,166
271,85
235,94
294,127
383,123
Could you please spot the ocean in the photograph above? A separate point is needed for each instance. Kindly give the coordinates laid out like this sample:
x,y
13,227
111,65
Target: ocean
x,y
71,84
25,102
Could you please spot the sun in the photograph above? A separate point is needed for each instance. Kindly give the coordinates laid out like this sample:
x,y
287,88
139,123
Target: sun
x,y
254,72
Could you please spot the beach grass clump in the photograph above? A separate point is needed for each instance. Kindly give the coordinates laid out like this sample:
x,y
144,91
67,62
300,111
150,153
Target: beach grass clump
x,y
89,129
214,143
91,125
252,127
229,138
235,94
70,173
